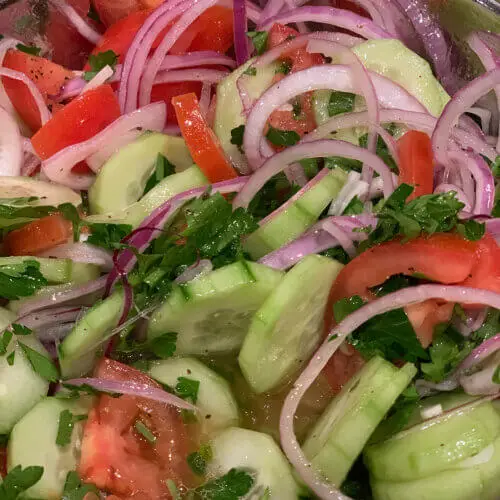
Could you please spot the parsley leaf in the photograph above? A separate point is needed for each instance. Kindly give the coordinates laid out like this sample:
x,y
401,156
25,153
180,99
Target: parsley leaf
x,y
274,192
232,486
496,375
283,67
237,135
259,40
164,346
448,349
340,102
381,151
29,49
163,168
187,388
389,335
21,280
296,109
144,430
5,341
108,236
250,71
21,329
354,207
10,358
343,307
198,460
18,480
282,137
99,61
74,489
66,425
489,328
346,164
471,230
41,364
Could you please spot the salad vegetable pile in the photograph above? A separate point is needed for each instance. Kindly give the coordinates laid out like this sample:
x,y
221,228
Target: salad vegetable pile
x,y
248,251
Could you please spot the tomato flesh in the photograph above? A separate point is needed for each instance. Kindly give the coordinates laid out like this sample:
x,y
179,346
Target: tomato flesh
x,y
164,92
46,75
78,121
119,460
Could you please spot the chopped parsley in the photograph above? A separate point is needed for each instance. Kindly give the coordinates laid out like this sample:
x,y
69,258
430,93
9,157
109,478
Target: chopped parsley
x,y
489,328
282,137
496,375
340,102
346,164
235,484
354,207
22,279
29,49
18,329
237,134
18,480
250,71
99,61
198,460
343,307
74,489
187,388
259,40
40,364
108,236
162,169
10,358
144,431
283,67
296,109
471,230
381,151
66,425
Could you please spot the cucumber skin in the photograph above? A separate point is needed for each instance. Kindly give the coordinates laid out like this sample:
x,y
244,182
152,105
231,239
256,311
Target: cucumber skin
x,y
89,332
242,448
265,355
297,218
337,439
216,402
426,449
33,442
189,309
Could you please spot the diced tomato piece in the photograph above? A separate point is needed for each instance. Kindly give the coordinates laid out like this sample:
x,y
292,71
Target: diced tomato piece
x,y
38,236
203,144
215,30
111,11
78,121
416,162
486,272
165,91
46,75
119,460
342,366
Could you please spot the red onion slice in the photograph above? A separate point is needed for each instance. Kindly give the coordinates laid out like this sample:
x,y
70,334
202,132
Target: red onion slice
x,y
481,383
58,167
131,388
329,15
191,75
76,20
315,149
337,336
328,77
461,196
461,102
49,317
153,65
480,353
11,145
81,252
200,58
45,114
240,32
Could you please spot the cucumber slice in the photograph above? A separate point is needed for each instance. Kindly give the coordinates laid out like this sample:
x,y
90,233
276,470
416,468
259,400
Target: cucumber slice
x,y
343,429
48,194
212,313
33,442
242,448
216,402
77,350
296,218
229,110
122,179
435,445
20,386
174,184
287,328
58,271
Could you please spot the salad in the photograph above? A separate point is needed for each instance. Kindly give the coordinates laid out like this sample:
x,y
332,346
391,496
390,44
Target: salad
x,y
248,251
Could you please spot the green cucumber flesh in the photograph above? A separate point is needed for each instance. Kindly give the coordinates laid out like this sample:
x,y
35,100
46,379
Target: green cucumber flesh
x,y
189,178
289,325
216,403
16,402
48,194
229,109
212,313
346,425
33,442
434,445
89,333
258,453
57,271
300,215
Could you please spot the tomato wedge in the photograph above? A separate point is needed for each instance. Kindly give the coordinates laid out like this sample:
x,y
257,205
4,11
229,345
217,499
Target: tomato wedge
x,y
78,121
201,140
117,458
416,162
46,75
38,236
486,272
164,92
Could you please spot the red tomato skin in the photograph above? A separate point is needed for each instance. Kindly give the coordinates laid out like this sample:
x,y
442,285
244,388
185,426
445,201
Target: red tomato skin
x,y
111,11
416,162
342,366
118,459
424,318
78,121
486,272
164,92
214,30
46,75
